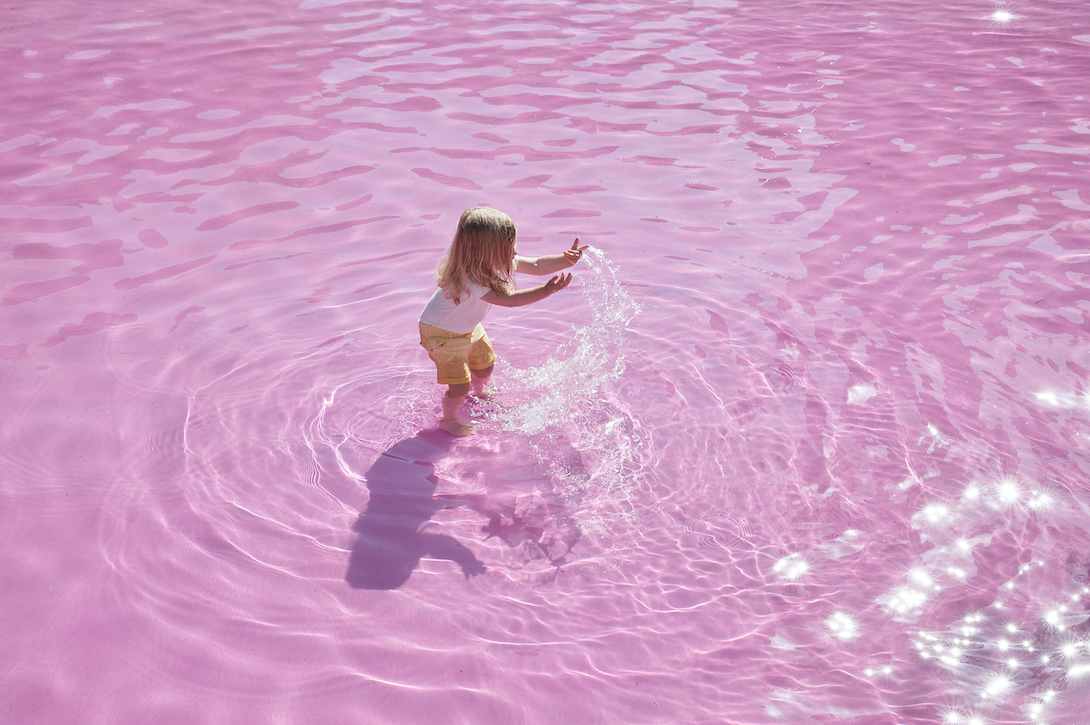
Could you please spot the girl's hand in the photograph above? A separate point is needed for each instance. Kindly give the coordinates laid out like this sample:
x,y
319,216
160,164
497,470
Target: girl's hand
x,y
557,283
574,254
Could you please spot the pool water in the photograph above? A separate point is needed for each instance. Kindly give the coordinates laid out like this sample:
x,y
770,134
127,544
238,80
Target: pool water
x,y
804,441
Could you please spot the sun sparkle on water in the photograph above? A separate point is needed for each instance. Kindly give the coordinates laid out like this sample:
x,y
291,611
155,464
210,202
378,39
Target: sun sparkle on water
x,y
1008,491
792,566
1078,670
953,717
843,626
997,686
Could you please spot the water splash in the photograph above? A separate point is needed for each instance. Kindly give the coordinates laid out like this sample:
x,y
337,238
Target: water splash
x,y
568,406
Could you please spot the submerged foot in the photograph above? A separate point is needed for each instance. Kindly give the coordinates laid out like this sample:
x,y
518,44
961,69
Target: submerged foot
x,y
483,394
456,427
485,399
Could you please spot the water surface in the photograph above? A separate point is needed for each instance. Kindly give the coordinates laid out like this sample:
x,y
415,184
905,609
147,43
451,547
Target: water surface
x,y
805,441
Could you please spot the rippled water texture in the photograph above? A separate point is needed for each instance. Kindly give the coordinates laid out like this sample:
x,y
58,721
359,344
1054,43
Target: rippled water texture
x,y
805,441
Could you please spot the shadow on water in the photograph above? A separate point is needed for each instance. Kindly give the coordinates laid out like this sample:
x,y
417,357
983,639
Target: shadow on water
x,y
535,527
402,485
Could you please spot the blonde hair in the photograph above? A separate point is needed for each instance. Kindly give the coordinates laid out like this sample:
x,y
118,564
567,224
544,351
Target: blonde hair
x,y
481,252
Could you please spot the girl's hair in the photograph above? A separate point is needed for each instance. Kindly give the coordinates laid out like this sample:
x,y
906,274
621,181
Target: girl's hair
x,y
480,252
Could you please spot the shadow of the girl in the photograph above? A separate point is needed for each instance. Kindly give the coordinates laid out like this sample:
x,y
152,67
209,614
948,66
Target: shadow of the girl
x,y
521,510
390,544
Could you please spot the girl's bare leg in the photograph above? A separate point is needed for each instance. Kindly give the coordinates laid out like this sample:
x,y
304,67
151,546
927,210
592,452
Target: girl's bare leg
x,y
480,380
452,402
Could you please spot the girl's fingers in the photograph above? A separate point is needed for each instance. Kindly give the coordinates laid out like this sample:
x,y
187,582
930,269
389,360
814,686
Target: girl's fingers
x,y
558,282
574,254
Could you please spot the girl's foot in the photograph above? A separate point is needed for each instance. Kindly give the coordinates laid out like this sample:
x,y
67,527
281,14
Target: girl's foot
x,y
456,427
481,393
485,397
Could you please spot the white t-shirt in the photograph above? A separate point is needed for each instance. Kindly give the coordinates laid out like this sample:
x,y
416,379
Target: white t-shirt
x,y
458,318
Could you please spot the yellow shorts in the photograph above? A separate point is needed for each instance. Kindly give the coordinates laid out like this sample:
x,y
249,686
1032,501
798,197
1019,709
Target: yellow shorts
x,y
455,355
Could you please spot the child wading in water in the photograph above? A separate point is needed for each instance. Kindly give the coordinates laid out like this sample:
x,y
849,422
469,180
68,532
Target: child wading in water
x,y
476,273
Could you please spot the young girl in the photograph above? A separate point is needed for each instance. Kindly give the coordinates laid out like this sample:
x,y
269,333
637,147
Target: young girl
x,y
476,273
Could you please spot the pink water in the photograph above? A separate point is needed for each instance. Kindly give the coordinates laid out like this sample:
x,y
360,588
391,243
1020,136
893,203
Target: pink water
x,y
805,441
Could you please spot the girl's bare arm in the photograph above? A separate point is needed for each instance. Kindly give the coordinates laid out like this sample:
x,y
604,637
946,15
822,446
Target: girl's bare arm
x,y
518,298
550,263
